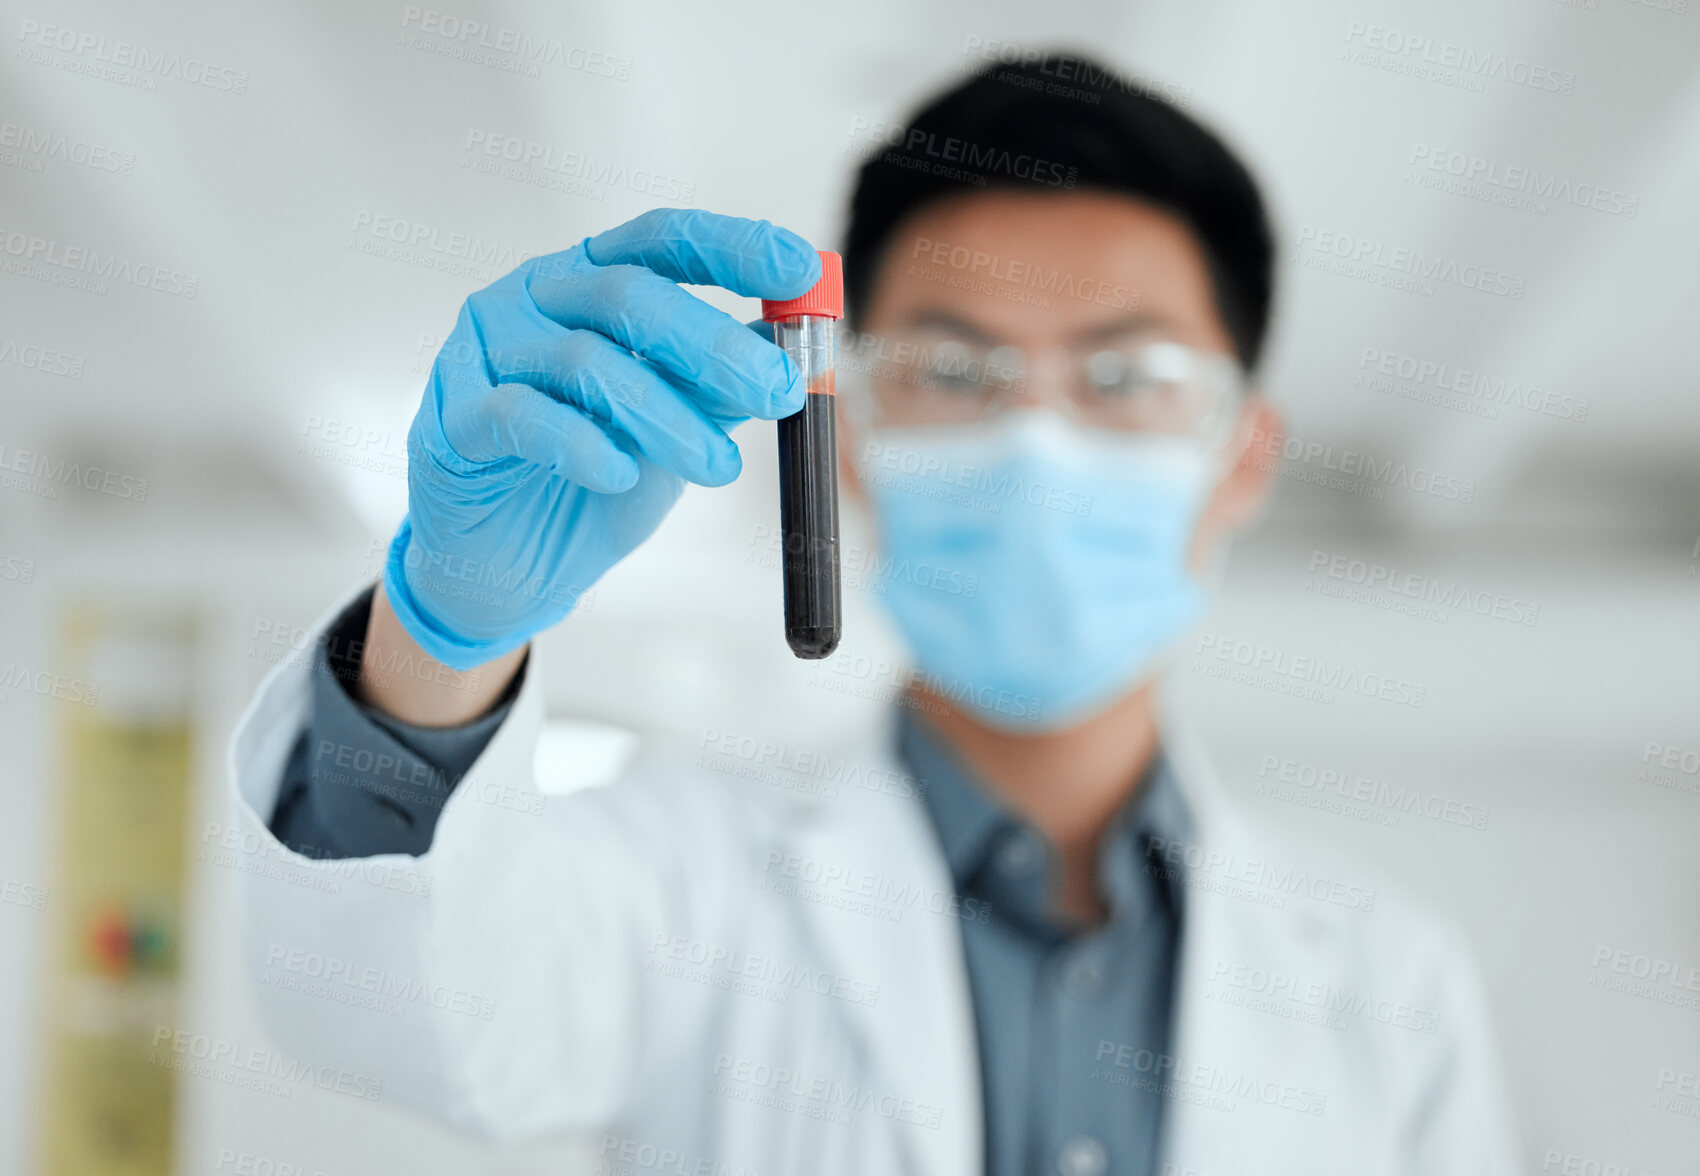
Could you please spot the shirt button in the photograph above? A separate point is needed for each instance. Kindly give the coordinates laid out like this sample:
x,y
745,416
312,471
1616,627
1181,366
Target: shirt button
x,y
1084,976
1082,1156
1019,855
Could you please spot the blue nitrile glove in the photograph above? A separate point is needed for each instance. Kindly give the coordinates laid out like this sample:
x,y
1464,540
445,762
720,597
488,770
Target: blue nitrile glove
x,y
565,412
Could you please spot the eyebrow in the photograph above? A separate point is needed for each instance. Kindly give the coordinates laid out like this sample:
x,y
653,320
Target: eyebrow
x,y
1134,324
944,320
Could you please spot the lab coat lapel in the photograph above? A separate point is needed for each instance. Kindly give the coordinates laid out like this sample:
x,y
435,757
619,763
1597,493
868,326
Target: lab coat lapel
x,y
1214,1125
919,1039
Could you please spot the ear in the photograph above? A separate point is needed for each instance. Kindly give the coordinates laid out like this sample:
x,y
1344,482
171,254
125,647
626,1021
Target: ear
x,y
1242,493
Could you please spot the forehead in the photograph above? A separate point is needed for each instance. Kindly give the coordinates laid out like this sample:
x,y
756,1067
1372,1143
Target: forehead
x,y
1040,268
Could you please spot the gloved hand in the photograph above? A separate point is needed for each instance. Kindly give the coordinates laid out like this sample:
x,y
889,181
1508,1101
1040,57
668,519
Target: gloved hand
x,y
565,412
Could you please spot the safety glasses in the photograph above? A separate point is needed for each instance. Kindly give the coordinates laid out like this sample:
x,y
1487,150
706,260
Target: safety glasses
x,y
1147,385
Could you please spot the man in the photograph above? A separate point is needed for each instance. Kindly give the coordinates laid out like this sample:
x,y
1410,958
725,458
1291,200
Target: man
x,y
1052,948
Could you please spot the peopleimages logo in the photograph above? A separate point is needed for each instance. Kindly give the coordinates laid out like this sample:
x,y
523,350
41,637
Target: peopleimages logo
x,y
1181,1077
42,474
32,144
1015,273
254,1067
42,359
916,472
432,246
1449,62
593,173
1379,577
1669,766
123,61
336,974
849,887
687,958
1432,381
802,769
864,567
1065,74
1400,266
17,568
1271,884
1264,448
503,47
46,683
24,894
1514,180
1333,789
85,268
1309,677
816,1096
1322,995
958,158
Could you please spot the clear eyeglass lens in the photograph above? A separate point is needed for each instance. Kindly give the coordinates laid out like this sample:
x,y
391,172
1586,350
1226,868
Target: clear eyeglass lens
x,y
935,381
1149,387
1155,388
1006,366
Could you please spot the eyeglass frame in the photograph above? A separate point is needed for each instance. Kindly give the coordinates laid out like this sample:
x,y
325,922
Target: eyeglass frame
x,y
1234,390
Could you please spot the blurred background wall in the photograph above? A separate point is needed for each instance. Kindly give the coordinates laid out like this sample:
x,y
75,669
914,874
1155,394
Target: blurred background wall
x,y
297,221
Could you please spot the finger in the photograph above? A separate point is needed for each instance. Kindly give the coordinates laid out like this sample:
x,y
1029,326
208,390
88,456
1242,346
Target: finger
x,y
627,397
510,420
725,367
749,257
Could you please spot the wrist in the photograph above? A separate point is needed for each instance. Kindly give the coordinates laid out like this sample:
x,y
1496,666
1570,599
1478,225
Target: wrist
x,y
413,595
401,678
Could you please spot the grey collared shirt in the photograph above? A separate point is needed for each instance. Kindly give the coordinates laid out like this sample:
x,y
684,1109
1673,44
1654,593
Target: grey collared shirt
x,y
1071,1019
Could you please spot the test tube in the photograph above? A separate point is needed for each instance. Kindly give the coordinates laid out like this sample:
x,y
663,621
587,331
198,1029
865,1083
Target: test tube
x,y
805,328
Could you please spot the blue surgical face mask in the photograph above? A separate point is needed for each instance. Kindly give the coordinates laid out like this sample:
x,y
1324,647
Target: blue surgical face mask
x,y
1037,568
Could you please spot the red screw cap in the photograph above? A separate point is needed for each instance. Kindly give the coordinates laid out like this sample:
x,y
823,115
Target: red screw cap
x,y
826,299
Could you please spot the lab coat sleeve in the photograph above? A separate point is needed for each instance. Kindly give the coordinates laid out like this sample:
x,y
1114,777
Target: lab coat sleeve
x,y
1461,1120
361,782
494,980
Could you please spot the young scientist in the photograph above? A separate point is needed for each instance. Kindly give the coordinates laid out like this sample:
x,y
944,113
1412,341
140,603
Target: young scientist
x,y
1056,948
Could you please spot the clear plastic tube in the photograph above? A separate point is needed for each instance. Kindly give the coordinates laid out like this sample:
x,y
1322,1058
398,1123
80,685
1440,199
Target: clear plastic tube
x,y
808,490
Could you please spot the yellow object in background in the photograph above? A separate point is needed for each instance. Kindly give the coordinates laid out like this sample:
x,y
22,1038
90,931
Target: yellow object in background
x,y
125,781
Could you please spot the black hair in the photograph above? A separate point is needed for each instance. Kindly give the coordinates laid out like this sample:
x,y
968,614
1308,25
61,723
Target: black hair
x,y
1058,122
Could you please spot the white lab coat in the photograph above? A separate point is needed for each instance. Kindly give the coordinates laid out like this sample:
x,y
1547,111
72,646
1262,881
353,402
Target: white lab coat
x,y
526,973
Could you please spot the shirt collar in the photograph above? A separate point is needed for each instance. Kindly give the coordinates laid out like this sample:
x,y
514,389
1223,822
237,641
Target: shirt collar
x,y
972,824
968,821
